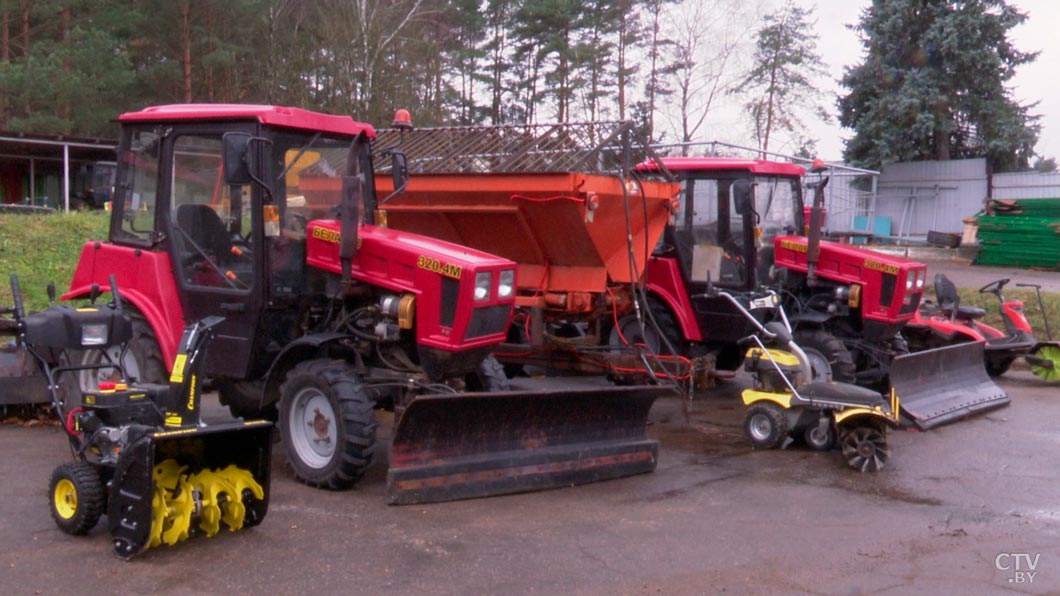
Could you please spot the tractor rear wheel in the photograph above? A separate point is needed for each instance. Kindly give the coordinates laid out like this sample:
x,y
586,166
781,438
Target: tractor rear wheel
x,y
327,423
766,425
629,329
143,360
243,399
829,358
76,496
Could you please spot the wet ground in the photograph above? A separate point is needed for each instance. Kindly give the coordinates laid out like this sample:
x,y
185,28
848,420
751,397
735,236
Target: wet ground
x,y
956,510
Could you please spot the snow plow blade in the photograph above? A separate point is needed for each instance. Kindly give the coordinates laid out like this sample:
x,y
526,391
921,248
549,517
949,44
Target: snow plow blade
x,y
173,484
945,384
449,447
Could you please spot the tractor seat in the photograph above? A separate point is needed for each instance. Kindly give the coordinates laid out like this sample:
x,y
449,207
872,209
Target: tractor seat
x,y
950,301
965,313
841,392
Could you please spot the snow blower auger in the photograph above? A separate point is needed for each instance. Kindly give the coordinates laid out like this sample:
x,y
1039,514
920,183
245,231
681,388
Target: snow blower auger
x,y
141,455
784,403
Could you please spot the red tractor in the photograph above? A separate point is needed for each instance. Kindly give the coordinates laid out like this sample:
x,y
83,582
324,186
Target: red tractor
x,y
744,224
266,216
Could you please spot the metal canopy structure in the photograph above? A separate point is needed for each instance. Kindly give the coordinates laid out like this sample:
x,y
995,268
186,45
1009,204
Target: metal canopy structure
x,y
586,147
25,156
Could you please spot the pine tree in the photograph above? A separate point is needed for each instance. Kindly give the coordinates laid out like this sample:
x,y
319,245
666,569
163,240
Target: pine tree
x,y
933,85
781,82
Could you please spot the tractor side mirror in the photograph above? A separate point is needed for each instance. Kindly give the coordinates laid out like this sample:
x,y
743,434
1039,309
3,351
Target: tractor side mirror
x,y
351,215
741,197
236,158
399,169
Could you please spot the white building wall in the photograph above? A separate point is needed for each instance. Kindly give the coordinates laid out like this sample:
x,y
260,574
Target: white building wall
x,y
926,196
1027,185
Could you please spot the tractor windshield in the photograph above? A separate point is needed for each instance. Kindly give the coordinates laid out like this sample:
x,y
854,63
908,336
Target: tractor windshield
x,y
309,171
779,206
307,181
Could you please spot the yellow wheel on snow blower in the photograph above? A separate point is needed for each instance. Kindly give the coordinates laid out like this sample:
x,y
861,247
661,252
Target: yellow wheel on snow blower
x,y
76,497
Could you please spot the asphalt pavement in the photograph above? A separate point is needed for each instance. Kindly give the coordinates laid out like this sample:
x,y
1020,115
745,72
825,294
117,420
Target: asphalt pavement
x,y
967,508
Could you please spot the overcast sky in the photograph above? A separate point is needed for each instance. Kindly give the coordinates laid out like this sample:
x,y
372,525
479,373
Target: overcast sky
x,y
1035,82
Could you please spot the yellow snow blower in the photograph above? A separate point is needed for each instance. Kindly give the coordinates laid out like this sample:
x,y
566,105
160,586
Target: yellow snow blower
x,y
141,455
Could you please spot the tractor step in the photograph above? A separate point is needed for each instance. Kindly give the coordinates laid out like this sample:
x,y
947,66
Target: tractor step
x,y
461,446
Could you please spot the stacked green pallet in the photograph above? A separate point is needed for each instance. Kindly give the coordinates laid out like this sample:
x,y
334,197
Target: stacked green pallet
x,y
1020,233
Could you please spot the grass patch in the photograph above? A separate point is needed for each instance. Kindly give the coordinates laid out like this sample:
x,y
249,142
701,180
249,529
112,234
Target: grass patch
x,y
43,249
1051,300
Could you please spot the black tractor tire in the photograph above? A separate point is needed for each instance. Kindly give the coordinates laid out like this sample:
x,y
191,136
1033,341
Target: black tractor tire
x,y
143,360
76,497
815,440
488,377
327,423
766,425
998,367
650,337
243,399
828,352
864,446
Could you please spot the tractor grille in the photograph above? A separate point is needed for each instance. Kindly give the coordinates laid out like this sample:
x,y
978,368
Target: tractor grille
x,y
488,320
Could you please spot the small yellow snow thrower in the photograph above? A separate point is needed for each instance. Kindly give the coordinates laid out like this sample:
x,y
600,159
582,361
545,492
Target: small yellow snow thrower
x,y
141,454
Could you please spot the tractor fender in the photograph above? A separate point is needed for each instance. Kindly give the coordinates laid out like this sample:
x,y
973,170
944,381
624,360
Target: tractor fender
x,y
751,396
952,330
304,348
859,414
666,283
161,322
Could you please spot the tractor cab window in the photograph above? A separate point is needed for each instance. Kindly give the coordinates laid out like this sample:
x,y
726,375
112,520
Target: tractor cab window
x,y
211,220
138,185
776,205
716,232
307,171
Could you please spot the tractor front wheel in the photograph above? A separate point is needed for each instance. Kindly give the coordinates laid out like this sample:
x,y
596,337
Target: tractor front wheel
x,y
817,439
489,376
76,496
996,368
766,425
829,358
327,423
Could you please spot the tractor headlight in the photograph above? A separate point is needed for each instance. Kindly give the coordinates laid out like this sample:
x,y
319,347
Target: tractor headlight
x,y
921,278
910,279
482,285
94,335
506,287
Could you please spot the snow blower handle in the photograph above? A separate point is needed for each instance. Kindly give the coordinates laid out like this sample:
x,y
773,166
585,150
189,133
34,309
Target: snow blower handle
x,y
16,291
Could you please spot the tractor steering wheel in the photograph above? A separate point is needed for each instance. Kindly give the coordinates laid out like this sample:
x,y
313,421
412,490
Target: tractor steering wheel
x,y
235,284
990,289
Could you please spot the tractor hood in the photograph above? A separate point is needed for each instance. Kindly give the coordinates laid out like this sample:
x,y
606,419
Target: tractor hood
x,y
443,276
900,282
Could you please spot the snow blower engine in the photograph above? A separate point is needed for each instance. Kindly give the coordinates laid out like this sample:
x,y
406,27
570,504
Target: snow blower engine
x,y
141,455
